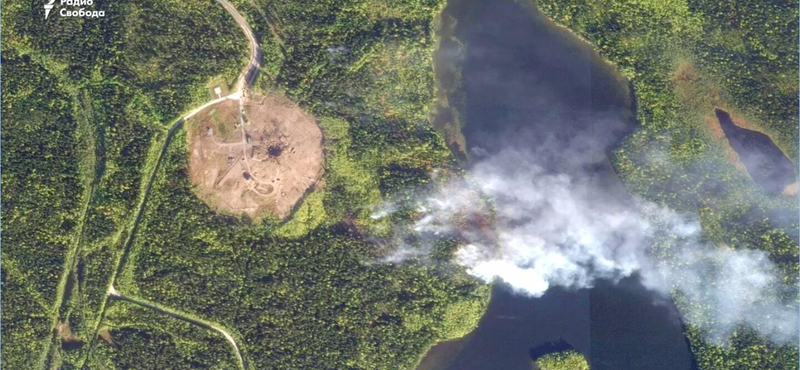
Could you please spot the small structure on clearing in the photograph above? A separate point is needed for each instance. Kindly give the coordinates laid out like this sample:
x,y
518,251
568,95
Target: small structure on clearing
x,y
264,157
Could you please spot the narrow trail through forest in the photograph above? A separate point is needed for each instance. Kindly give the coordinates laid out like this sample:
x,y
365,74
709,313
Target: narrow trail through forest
x,y
65,282
113,293
244,82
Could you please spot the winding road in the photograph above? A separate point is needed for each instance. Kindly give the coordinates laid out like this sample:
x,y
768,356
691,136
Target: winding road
x,y
113,293
250,72
248,75
244,82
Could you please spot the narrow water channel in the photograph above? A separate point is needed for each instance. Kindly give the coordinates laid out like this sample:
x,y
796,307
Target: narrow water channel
x,y
528,84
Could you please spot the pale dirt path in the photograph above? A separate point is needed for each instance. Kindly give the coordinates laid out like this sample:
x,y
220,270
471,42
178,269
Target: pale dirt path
x,y
246,79
251,70
248,75
234,96
115,294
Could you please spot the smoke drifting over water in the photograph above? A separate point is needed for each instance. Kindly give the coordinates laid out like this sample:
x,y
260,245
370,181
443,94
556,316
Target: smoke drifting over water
x,y
553,229
541,112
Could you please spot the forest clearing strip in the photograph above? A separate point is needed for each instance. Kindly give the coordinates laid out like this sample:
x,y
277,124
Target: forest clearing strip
x,y
270,22
71,258
246,78
129,239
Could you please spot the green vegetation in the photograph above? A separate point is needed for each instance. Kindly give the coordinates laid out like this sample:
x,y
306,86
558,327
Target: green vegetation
x,y
683,58
567,360
86,108
745,351
293,295
84,103
136,337
306,293
41,204
357,57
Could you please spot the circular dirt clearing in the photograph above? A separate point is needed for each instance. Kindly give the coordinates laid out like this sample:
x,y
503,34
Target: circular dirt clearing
x,y
264,159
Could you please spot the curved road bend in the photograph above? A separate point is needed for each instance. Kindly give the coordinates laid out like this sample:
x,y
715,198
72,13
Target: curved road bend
x,y
246,78
248,75
114,294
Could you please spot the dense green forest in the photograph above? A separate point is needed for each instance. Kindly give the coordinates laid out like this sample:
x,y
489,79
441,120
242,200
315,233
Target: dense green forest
x,y
44,143
87,105
684,58
85,102
310,302
136,337
307,293
566,360
363,67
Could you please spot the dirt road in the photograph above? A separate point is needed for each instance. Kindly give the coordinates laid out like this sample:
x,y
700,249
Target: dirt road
x,y
246,79
113,293
248,76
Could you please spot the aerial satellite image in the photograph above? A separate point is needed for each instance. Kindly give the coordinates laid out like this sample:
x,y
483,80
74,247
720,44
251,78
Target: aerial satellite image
x,y
399,184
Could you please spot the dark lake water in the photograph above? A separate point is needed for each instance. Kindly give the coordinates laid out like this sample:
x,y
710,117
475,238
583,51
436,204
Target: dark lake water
x,y
528,84
764,161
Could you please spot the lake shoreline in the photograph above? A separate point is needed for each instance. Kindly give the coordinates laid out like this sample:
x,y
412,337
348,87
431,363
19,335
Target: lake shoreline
x,y
605,68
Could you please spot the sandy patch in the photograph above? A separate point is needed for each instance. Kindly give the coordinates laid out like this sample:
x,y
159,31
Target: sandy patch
x,y
265,159
791,189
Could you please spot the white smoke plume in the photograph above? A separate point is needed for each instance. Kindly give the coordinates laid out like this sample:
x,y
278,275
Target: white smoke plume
x,y
552,229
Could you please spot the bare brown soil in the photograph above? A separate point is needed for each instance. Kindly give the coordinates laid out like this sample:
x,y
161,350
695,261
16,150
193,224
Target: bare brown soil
x,y
264,160
68,340
106,336
63,329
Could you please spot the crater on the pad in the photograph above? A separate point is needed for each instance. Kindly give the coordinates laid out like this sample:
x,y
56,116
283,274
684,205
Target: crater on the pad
x,y
263,159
